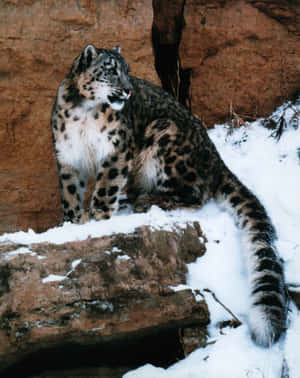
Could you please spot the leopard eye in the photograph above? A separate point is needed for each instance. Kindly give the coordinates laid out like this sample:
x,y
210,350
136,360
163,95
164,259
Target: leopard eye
x,y
113,70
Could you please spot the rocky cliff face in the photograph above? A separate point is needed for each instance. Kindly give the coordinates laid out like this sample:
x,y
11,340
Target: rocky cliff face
x,y
239,53
243,54
106,303
39,41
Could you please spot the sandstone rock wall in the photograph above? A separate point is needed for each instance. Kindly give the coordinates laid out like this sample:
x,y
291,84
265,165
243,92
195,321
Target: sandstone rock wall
x,y
39,41
244,52
240,52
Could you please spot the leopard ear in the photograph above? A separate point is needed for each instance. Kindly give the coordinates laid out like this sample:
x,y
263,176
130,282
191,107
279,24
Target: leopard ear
x,y
117,49
85,58
89,53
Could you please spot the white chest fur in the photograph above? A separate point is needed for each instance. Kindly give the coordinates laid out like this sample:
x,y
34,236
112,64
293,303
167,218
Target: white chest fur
x,y
83,145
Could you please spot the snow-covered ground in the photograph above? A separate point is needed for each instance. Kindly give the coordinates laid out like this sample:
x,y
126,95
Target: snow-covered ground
x,y
271,170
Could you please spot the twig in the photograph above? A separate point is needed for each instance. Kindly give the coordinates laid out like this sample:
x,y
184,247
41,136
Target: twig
x,y
281,123
285,373
237,320
293,287
236,120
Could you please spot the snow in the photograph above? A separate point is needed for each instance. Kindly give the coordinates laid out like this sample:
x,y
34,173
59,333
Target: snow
x,y
120,223
124,257
53,278
57,278
271,169
17,252
20,251
75,263
232,355
118,250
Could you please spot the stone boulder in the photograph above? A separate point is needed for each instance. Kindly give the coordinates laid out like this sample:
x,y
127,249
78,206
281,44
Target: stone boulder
x,y
104,302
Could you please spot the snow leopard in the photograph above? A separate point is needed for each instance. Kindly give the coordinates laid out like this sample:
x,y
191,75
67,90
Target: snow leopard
x,y
137,139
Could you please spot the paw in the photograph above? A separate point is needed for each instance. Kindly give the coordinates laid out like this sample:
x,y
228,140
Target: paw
x,y
79,217
142,204
83,218
166,204
99,215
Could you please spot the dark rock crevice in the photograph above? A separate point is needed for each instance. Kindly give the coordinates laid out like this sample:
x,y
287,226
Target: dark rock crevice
x,y
161,347
168,23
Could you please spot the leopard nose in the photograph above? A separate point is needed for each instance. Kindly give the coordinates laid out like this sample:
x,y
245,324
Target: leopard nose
x,y
127,92
126,84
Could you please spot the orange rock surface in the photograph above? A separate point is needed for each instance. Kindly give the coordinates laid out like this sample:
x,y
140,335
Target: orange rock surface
x,y
242,53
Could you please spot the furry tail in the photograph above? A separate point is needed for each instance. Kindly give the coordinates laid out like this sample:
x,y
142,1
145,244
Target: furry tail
x,y
268,311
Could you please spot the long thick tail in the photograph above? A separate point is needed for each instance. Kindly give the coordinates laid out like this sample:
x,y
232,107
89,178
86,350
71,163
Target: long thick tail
x,y
268,311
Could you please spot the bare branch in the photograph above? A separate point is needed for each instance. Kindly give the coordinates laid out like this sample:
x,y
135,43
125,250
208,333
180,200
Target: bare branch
x,y
237,321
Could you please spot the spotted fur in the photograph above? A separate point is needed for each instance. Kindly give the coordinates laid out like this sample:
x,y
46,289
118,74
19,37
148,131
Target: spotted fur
x,y
134,137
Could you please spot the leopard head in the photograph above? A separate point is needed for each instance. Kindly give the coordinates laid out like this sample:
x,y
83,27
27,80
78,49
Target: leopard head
x,y
102,76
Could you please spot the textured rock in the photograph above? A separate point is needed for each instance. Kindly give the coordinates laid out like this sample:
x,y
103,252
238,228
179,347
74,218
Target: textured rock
x,y
39,40
242,53
285,12
105,292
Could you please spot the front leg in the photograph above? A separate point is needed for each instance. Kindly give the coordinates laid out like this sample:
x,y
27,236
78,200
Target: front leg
x,y
110,183
72,185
